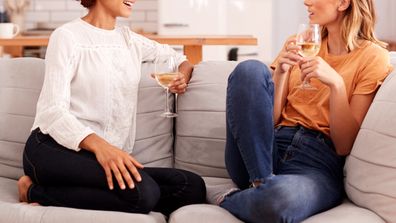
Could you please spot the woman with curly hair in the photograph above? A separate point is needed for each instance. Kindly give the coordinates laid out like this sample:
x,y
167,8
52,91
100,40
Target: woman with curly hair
x,y
79,153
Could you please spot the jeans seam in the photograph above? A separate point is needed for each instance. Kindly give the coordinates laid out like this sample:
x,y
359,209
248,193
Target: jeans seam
x,y
269,86
136,204
184,185
33,168
233,133
230,118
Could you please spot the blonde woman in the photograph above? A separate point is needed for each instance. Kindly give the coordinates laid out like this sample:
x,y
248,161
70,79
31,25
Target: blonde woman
x,y
294,171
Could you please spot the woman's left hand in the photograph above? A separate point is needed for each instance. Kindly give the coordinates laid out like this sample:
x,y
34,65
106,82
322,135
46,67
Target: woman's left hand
x,y
316,67
178,85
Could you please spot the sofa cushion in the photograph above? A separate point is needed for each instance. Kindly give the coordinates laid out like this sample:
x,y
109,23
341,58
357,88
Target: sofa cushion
x,y
200,127
14,212
371,167
20,85
345,213
154,134
216,187
200,213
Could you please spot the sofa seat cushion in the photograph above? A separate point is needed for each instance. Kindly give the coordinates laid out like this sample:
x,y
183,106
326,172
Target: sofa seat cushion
x,y
202,213
371,167
14,212
346,213
206,213
215,187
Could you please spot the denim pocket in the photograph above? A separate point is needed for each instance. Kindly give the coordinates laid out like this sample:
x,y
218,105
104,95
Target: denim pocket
x,y
315,142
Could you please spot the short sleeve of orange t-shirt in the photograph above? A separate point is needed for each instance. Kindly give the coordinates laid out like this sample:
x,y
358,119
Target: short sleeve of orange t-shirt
x,y
363,71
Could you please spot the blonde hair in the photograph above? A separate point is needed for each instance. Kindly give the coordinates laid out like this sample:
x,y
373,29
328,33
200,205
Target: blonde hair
x,y
358,24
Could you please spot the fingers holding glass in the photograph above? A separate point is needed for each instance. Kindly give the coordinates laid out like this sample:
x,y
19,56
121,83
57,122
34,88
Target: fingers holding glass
x,y
289,55
178,85
308,70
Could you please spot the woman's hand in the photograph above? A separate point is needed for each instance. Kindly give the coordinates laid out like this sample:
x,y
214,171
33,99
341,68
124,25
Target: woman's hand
x,y
316,67
178,85
114,161
289,56
121,164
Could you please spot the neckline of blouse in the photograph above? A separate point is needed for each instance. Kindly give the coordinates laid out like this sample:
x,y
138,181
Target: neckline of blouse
x,y
105,31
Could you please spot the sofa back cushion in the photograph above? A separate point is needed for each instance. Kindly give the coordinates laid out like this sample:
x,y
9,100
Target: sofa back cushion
x,y
371,167
200,127
154,134
20,85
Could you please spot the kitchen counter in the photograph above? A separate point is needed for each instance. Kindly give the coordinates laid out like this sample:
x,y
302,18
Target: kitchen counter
x,y
192,45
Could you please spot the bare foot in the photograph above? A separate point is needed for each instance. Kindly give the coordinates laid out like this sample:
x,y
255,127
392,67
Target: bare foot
x,y
23,185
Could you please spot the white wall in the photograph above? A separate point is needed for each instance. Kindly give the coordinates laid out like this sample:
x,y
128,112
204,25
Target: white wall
x,y
287,14
57,12
386,24
252,17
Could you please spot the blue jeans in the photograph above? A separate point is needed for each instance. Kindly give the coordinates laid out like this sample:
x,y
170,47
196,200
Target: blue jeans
x,y
62,177
301,173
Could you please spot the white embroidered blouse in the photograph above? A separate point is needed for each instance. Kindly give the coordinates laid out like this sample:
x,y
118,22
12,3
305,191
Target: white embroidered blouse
x,y
91,83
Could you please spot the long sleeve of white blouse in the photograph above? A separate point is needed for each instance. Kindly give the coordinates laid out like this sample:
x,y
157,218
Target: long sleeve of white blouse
x,y
53,112
151,50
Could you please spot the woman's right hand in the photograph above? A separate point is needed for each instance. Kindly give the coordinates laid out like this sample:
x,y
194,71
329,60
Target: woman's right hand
x,y
114,162
289,56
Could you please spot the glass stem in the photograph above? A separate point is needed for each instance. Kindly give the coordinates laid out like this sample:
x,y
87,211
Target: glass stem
x,y
176,95
167,100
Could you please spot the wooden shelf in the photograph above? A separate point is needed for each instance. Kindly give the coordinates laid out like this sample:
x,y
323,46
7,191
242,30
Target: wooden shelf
x,y
192,44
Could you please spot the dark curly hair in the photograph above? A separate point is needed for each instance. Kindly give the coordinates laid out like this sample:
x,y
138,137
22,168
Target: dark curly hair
x,y
87,3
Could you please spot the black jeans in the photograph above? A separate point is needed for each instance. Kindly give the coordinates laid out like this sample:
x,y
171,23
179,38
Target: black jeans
x,y
62,177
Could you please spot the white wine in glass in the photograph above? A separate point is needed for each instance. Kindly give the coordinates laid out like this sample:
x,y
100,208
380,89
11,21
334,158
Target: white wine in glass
x,y
165,71
309,49
309,39
164,79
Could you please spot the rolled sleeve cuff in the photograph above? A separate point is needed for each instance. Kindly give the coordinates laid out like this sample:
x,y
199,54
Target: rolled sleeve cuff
x,y
79,138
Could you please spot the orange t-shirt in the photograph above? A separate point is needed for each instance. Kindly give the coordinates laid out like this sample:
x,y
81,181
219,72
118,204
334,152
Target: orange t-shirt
x,y
363,71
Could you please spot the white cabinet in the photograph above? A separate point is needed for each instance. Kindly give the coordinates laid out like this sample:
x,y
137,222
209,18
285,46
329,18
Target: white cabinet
x,y
219,17
194,17
252,17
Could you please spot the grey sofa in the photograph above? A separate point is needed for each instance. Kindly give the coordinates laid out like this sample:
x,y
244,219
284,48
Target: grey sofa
x,y
195,141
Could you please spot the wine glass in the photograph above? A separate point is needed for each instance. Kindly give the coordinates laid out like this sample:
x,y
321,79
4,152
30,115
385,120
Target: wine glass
x,y
165,71
309,39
